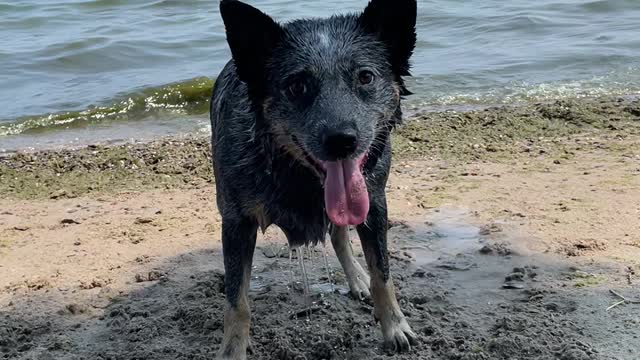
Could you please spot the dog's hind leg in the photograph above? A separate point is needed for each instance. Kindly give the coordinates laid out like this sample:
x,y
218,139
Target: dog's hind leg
x,y
397,334
238,244
357,277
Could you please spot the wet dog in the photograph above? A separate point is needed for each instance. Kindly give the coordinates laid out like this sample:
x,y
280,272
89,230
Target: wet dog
x,y
301,120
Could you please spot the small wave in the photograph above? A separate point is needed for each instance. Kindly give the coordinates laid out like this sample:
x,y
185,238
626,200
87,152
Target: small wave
x,y
189,97
604,6
524,92
97,4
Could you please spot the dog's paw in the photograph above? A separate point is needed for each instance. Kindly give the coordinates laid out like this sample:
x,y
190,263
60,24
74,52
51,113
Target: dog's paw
x,y
234,356
359,286
398,336
237,351
359,281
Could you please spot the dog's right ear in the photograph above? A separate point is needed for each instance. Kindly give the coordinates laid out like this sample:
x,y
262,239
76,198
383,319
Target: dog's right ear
x,y
252,35
394,22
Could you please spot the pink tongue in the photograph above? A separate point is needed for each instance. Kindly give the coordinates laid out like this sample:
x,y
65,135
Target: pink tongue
x,y
345,193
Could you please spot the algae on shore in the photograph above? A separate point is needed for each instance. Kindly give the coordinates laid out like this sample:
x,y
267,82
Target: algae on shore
x,y
499,132
496,134
187,97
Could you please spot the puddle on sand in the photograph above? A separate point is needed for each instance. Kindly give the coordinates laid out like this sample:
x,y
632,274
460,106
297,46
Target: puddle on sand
x,y
442,234
445,232
310,274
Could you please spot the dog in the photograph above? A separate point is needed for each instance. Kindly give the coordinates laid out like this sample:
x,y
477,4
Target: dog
x,y
301,118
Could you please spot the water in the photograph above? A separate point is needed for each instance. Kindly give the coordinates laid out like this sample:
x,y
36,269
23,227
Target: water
x,y
326,266
446,233
305,279
102,67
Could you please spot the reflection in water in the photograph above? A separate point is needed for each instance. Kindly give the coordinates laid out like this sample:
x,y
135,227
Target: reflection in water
x,y
445,232
442,234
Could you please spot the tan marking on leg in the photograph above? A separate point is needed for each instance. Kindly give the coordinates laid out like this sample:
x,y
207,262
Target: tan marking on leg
x,y
396,332
237,321
357,277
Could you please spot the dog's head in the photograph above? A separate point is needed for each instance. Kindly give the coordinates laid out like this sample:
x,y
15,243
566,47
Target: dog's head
x,y
326,87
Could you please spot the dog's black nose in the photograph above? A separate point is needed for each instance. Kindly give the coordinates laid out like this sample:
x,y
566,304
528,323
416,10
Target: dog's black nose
x,y
340,144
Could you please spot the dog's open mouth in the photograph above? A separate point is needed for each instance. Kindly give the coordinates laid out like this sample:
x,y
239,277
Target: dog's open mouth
x,y
346,198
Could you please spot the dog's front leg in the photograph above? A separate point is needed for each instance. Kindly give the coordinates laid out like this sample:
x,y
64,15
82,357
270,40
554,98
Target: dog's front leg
x,y
238,244
397,334
357,277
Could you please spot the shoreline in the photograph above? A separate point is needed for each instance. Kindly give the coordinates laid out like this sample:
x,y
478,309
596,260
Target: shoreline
x,y
79,136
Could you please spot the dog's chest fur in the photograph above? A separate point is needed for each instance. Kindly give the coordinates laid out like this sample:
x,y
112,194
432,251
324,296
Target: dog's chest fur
x,y
292,198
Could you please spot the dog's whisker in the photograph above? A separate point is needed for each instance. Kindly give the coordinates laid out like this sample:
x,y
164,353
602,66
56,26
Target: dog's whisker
x,y
366,224
377,146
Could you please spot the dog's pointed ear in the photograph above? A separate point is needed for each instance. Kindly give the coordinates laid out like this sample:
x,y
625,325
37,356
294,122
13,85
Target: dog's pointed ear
x,y
394,22
252,35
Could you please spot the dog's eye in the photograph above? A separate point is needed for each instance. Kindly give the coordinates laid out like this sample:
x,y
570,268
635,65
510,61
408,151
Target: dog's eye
x,y
365,77
297,89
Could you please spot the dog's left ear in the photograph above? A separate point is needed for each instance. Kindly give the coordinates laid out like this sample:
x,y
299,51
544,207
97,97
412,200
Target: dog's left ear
x,y
394,22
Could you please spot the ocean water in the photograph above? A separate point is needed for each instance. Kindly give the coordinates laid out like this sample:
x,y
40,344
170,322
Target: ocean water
x,y
83,71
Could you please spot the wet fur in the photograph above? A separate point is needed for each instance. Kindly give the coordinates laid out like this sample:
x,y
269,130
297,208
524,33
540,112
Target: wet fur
x,y
263,176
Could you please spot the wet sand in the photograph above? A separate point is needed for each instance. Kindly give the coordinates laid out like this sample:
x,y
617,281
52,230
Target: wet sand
x,y
512,231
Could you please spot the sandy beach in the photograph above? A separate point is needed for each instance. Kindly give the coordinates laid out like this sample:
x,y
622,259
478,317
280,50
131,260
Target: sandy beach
x,y
515,233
